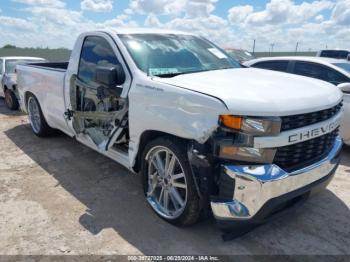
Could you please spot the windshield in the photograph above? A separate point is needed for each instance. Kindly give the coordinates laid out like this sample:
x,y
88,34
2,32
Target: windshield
x,y
10,65
345,66
240,55
168,55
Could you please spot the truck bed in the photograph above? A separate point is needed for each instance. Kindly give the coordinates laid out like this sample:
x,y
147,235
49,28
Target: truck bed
x,y
46,82
51,65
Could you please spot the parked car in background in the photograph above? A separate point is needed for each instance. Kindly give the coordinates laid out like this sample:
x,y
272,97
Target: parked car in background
x,y
337,54
334,71
202,130
240,54
8,78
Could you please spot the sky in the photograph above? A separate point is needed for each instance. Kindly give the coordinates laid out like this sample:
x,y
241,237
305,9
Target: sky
x,y
314,24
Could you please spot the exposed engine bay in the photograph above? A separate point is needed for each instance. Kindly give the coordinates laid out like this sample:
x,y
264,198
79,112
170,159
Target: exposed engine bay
x,y
100,114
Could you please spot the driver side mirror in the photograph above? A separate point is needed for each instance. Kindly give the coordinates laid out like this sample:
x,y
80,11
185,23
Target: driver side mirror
x,y
110,76
345,87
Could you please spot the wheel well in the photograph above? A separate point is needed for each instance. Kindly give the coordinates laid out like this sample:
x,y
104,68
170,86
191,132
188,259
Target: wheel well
x,y
146,137
26,97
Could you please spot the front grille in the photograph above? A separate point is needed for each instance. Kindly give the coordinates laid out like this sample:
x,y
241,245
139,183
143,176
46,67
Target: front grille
x,y
297,121
303,154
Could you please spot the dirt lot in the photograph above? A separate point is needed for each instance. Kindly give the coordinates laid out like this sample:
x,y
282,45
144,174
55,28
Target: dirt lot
x,y
59,197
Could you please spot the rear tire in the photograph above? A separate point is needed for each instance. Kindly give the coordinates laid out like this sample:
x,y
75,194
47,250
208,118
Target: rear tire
x,y
165,168
37,119
11,100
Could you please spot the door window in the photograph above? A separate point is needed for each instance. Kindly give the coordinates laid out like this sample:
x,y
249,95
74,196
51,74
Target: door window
x,y
273,65
96,51
335,54
319,72
98,109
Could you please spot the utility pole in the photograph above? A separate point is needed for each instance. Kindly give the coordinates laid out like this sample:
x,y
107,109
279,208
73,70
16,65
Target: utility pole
x,y
296,48
272,46
254,47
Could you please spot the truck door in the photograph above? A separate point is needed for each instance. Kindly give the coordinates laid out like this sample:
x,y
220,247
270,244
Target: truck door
x,y
98,110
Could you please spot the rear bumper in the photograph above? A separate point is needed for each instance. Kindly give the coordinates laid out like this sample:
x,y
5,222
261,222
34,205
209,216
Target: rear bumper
x,y
259,191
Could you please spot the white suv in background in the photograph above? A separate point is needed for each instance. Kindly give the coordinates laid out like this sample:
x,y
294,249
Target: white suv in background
x,y
334,71
337,54
8,78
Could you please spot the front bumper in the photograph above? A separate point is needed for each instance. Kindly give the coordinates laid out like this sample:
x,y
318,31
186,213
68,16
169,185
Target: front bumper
x,y
258,190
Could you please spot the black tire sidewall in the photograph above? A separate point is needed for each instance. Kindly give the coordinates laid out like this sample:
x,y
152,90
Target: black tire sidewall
x,y
191,212
14,105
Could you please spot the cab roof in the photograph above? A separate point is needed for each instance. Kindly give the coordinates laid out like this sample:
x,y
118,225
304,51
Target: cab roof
x,y
147,31
21,58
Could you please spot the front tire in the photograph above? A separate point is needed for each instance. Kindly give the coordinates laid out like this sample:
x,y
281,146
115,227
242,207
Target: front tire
x,y
37,119
168,182
11,100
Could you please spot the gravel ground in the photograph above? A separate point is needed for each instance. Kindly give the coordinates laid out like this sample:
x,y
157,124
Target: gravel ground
x,y
59,197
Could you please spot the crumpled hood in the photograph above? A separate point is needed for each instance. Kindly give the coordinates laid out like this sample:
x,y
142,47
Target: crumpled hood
x,y
257,92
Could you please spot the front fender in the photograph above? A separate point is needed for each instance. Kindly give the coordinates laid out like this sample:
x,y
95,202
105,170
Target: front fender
x,y
172,110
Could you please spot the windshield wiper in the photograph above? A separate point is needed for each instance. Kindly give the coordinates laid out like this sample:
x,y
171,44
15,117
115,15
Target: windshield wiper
x,y
179,73
168,75
191,72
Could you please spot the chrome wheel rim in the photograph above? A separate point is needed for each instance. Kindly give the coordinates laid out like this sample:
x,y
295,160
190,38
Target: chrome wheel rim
x,y
167,185
34,114
8,99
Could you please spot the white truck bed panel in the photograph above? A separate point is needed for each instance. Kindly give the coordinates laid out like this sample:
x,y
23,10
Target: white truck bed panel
x,y
48,86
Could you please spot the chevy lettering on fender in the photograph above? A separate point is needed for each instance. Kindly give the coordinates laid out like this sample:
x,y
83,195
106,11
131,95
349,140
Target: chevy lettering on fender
x,y
300,134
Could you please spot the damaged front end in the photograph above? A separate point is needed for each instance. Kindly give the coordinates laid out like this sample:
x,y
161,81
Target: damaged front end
x,y
246,186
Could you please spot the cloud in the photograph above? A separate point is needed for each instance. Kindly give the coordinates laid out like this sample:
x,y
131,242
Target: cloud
x,y
16,23
286,11
152,21
191,8
319,18
238,14
212,27
341,13
118,22
97,5
284,22
49,3
128,11
200,8
55,27
158,7
59,16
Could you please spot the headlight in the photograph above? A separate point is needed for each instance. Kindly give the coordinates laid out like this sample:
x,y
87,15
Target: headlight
x,y
252,125
240,145
234,122
226,150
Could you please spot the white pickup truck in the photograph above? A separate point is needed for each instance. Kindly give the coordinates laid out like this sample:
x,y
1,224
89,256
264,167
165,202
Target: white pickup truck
x,y
204,132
